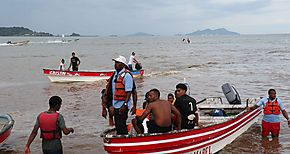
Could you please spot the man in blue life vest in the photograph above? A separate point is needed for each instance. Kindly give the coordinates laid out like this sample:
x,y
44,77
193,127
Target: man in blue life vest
x,y
51,123
118,94
272,107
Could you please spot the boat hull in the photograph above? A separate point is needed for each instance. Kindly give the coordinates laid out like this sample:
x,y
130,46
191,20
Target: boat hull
x,y
82,76
205,140
6,126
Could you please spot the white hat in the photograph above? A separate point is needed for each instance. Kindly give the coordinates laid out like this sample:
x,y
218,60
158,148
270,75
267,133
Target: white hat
x,y
120,59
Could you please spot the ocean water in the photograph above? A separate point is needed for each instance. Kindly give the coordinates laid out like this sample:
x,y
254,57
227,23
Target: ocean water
x,y
252,63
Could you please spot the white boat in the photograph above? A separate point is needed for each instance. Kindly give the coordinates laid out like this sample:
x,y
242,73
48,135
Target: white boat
x,y
17,43
89,76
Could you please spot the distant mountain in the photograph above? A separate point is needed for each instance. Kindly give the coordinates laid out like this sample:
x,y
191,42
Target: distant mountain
x,y
220,31
141,34
75,34
20,31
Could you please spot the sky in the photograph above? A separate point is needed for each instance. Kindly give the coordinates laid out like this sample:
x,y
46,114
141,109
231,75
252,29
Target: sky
x,y
158,17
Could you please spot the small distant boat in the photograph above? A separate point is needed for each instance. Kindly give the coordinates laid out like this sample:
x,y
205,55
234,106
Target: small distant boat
x,y
18,43
6,125
89,76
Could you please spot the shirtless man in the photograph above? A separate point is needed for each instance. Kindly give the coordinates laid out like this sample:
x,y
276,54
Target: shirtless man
x,y
161,110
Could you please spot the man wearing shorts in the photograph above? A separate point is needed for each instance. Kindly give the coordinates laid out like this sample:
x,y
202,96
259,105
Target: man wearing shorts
x,y
272,107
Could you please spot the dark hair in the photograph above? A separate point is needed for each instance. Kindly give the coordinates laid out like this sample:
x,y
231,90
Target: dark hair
x,y
54,100
146,95
181,86
170,94
103,91
271,90
156,91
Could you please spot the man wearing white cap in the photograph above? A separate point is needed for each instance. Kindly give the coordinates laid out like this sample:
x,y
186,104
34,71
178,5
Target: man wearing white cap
x,y
118,94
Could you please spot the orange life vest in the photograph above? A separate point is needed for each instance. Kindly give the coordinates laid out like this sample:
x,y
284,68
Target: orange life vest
x,y
119,93
48,126
272,107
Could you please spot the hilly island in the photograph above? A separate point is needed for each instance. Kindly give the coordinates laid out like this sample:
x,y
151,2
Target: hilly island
x,y
22,31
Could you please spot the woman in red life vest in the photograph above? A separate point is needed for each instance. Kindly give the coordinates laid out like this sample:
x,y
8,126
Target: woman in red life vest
x,y
272,107
51,124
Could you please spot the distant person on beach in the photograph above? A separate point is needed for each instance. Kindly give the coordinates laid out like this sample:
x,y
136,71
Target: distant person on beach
x,y
132,60
118,94
272,107
62,65
186,105
74,62
161,111
51,124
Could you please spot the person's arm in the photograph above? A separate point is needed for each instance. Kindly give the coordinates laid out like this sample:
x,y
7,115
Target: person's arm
x,y
67,131
178,117
104,106
30,139
69,66
62,125
145,113
128,81
135,60
250,108
79,62
135,98
282,108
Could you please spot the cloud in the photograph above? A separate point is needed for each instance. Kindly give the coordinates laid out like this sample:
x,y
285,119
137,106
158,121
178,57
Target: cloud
x,y
107,17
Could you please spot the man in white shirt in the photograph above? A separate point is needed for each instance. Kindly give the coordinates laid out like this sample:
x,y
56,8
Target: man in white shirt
x,y
132,60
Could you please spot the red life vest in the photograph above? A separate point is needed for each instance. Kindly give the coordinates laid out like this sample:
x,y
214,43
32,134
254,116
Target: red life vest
x,y
272,107
48,124
119,93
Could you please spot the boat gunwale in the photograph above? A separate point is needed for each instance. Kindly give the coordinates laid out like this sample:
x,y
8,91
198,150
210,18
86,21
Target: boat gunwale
x,y
106,136
87,71
7,125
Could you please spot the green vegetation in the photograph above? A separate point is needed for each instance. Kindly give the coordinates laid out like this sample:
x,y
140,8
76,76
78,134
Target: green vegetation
x,y
20,31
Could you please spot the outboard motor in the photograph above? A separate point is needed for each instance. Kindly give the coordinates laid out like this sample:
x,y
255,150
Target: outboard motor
x,y
231,94
138,66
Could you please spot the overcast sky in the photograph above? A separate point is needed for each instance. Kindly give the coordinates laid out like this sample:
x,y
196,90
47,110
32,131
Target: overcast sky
x,y
159,17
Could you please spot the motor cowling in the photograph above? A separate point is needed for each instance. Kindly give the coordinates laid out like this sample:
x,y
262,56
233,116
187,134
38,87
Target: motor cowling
x,y
231,94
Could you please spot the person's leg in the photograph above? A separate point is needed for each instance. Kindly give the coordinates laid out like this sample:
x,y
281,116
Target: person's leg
x,y
275,129
120,122
137,124
265,129
111,121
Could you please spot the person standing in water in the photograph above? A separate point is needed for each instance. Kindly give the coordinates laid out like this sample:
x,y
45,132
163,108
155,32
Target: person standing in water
x,y
74,62
272,107
51,124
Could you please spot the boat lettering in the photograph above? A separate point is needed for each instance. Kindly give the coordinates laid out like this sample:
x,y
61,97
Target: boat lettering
x,y
59,73
205,150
